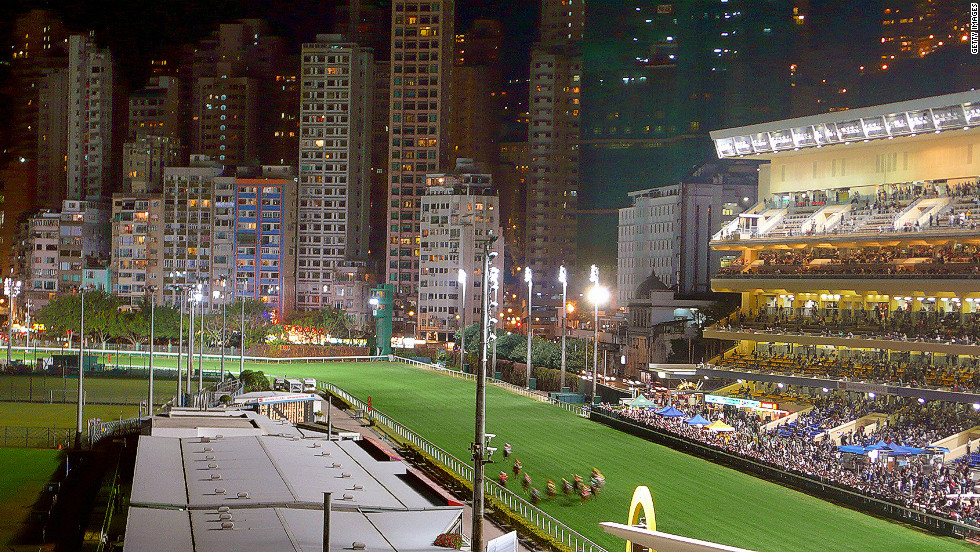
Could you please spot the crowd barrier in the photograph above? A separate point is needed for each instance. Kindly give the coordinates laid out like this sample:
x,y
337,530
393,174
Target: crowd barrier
x,y
811,485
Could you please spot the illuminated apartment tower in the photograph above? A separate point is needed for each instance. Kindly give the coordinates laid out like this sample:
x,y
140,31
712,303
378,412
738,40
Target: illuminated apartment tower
x,y
553,135
421,62
92,157
334,162
237,78
917,28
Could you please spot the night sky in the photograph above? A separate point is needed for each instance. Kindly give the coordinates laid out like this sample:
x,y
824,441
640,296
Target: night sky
x,y
140,30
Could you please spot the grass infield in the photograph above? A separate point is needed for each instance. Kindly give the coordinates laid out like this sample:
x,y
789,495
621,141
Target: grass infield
x,y
22,414
25,471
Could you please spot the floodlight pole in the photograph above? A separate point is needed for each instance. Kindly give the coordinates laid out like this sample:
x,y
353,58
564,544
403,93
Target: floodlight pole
x,y
479,445
563,278
149,404
241,348
180,350
461,280
79,415
594,278
530,334
190,342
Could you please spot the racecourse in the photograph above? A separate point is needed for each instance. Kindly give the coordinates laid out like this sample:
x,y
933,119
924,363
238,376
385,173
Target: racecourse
x,y
693,497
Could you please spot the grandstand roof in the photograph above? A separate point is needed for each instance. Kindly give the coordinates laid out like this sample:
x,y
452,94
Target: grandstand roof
x,y
266,492
935,113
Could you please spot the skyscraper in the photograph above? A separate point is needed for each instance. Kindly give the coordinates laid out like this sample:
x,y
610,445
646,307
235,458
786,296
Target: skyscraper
x,y
460,211
553,136
476,86
334,162
421,61
93,144
659,75
235,98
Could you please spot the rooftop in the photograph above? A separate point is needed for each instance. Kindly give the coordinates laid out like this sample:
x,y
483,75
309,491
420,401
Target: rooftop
x,y
908,118
265,491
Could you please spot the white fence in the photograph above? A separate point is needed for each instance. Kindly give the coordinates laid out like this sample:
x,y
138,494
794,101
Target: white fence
x,y
530,512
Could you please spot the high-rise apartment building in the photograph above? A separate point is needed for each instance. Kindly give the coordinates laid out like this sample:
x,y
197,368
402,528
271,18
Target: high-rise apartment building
x,y
666,230
422,40
62,245
38,45
52,138
334,162
379,164
236,101
155,110
93,142
917,28
460,211
476,88
144,158
555,92
265,238
137,242
199,226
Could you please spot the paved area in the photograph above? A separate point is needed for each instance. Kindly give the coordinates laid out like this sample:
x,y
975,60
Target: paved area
x,y
342,421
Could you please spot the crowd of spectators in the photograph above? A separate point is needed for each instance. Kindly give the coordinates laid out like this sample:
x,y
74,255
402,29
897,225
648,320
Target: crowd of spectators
x,y
902,369
802,447
902,324
863,260
873,209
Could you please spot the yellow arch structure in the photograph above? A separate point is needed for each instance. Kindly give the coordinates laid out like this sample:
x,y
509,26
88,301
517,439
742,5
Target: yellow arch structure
x,y
642,502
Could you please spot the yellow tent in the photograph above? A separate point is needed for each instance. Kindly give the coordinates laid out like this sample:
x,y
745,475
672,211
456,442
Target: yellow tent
x,y
720,427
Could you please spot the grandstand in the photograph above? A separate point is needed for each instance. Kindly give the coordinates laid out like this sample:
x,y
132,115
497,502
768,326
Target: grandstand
x,y
861,259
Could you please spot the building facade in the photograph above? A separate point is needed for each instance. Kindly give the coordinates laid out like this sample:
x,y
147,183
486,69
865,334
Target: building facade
x,y
93,145
460,211
199,222
334,163
422,40
137,241
554,100
144,158
265,239
62,245
666,230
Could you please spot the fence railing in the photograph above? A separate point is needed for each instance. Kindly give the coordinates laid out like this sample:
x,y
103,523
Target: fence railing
x,y
98,431
230,359
544,521
36,437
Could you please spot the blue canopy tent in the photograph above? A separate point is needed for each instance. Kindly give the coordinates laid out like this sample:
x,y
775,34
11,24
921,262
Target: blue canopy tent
x,y
670,412
697,420
851,449
898,450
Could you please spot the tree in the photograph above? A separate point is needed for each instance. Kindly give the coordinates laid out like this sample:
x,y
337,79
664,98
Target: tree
x,y
328,321
62,314
254,381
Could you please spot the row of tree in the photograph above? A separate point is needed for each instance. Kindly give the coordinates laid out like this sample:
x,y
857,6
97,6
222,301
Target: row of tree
x,y
111,318
544,353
